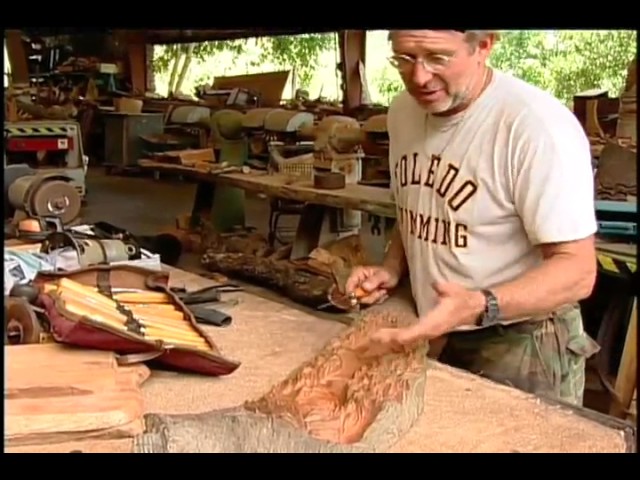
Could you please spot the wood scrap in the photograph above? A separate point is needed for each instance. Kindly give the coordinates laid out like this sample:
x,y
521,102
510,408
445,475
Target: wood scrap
x,y
55,394
188,158
200,167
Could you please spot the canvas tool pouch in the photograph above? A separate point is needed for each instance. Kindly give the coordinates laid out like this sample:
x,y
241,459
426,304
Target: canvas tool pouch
x,y
178,342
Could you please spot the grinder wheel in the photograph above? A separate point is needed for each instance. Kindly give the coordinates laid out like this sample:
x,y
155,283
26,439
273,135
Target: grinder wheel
x,y
21,324
56,198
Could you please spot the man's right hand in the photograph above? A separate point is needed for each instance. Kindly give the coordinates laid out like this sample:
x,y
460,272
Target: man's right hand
x,y
376,281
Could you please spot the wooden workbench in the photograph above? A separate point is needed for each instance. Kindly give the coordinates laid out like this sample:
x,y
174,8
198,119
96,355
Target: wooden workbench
x,y
374,200
463,413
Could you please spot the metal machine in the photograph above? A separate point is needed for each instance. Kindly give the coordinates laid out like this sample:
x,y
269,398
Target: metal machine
x,y
190,125
273,137
337,143
375,169
31,193
617,219
275,126
51,147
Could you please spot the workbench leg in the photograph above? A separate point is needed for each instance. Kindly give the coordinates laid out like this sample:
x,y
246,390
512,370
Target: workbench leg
x,y
309,230
626,378
202,204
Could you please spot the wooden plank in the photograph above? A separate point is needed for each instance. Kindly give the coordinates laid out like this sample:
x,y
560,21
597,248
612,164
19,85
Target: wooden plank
x,y
269,85
55,393
375,200
626,379
365,198
17,56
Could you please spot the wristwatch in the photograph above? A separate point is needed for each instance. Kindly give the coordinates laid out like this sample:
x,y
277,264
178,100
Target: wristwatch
x,y
491,313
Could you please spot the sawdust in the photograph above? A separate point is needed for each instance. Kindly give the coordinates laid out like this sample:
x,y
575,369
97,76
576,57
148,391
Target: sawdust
x,y
467,414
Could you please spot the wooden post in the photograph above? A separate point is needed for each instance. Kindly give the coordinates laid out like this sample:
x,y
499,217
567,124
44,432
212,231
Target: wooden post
x,y
626,380
17,57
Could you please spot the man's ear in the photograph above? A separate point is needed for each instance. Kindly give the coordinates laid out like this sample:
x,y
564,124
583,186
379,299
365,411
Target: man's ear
x,y
485,45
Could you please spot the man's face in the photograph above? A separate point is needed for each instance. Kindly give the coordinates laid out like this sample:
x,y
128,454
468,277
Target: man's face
x,y
452,66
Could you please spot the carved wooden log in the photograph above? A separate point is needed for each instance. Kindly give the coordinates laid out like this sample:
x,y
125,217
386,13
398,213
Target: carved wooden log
x,y
336,402
297,284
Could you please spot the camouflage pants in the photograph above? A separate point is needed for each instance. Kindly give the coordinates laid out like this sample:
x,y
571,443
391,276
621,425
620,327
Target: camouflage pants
x,y
544,357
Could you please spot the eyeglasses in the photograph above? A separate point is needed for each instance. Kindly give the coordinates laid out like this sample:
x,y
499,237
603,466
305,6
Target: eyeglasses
x,y
433,62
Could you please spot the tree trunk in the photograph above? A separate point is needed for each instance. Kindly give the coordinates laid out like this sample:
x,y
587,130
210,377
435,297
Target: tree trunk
x,y
177,55
188,55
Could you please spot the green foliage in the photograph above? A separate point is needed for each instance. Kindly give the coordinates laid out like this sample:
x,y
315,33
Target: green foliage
x,y
163,61
388,83
299,52
569,61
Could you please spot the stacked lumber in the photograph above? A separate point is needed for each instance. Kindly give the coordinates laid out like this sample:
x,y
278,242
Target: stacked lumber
x,y
55,393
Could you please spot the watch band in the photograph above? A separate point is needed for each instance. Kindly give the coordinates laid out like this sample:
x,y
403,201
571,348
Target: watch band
x,y
491,313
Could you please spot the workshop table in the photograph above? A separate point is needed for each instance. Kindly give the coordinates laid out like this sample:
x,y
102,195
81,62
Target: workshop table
x,y
376,201
463,412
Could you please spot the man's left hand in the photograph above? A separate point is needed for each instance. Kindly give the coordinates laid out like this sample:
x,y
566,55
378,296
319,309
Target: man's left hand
x,y
456,307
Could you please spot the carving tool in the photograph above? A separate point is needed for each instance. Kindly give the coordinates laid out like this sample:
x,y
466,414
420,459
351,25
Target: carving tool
x,y
338,296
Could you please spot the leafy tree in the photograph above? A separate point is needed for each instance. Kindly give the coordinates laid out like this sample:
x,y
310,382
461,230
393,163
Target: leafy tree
x,y
299,52
566,62
388,83
177,58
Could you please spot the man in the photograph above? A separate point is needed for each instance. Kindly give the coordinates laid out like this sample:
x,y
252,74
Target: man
x,y
495,217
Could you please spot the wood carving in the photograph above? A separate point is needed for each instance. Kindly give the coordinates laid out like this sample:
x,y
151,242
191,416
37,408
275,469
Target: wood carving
x,y
336,402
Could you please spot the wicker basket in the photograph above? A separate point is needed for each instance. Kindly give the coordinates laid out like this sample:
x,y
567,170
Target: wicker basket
x,y
299,167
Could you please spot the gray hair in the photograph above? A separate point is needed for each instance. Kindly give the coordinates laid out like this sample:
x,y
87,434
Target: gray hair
x,y
472,37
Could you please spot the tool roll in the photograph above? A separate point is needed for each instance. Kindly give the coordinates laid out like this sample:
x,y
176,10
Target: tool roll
x,y
131,311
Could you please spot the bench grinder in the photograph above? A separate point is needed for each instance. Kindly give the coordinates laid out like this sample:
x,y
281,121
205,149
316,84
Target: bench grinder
x,y
269,125
232,147
29,194
376,151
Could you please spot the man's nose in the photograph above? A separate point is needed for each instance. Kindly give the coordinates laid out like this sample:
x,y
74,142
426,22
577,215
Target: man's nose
x,y
420,75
